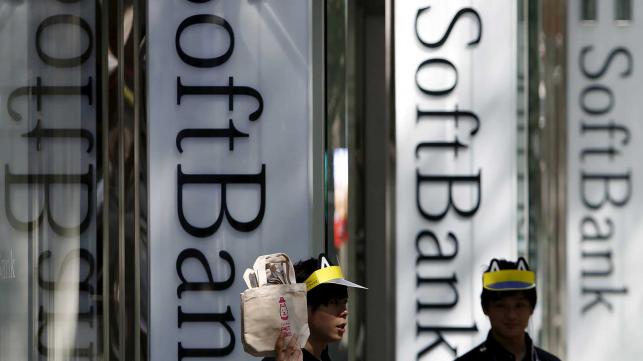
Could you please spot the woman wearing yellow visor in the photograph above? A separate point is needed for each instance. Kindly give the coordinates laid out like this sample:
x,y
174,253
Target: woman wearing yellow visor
x,y
508,299
327,297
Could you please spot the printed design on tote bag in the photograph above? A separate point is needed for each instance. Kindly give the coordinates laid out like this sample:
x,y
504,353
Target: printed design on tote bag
x,y
283,313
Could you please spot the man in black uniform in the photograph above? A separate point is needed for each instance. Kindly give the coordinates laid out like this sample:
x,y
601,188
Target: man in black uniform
x,y
508,299
327,296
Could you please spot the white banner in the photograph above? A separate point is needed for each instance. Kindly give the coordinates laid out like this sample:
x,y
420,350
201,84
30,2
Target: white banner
x,y
229,161
604,251
49,260
455,89
14,244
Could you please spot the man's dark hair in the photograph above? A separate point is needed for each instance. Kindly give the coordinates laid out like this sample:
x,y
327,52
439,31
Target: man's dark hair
x,y
323,293
486,297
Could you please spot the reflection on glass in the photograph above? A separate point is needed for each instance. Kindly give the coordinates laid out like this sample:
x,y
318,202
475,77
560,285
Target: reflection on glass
x,y
49,248
588,10
623,10
340,183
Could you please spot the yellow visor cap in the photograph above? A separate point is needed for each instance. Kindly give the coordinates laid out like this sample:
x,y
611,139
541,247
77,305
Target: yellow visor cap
x,y
509,280
330,274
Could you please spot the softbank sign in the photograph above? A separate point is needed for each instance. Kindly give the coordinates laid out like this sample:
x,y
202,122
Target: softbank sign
x,y
455,86
229,151
604,248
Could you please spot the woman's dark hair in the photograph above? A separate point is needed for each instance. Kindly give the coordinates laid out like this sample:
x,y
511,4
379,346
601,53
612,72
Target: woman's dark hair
x,y
323,293
486,297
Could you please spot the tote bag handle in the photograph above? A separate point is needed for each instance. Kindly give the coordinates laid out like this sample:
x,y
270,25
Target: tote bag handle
x,y
260,267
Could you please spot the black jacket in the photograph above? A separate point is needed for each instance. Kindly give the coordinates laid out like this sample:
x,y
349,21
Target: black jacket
x,y
491,350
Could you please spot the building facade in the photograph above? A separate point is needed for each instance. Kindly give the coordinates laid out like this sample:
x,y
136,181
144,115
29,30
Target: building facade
x,y
151,150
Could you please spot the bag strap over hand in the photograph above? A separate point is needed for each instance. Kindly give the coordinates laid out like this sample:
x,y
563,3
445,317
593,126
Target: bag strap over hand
x,y
290,270
262,261
260,270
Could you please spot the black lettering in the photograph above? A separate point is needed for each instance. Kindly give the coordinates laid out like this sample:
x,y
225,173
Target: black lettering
x,y
230,90
420,114
451,281
39,132
87,317
223,180
202,286
611,129
457,16
450,181
609,151
72,353
438,255
64,62
48,180
83,285
204,62
615,52
455,146
596,109
591,231
598,297
437,61
607,197
39,91
231,132
607,255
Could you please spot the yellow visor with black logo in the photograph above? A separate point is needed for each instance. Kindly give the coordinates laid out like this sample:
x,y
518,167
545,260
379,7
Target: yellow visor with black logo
x,y
330,274
509,280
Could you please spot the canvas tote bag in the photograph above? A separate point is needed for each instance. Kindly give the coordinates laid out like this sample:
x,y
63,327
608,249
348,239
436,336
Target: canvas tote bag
x,y
273,302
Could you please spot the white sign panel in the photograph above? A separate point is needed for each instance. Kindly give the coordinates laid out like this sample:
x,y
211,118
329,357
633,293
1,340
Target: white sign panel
x,y
604,170
229,159
455,99
49,259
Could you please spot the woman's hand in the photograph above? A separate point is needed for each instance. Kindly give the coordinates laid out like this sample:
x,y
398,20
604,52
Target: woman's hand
x,y
287,348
